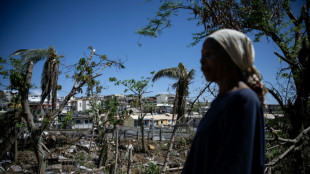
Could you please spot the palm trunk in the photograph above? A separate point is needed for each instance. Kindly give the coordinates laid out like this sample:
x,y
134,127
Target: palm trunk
x,y
174,107
181,105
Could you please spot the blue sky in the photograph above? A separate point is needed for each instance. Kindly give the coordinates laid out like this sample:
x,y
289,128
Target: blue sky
x,y
110,26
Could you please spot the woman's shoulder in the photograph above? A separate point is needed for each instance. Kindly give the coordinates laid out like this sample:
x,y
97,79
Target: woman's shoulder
x,y
245,92
246,95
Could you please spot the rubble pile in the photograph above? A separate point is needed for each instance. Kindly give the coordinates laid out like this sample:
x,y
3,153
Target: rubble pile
x,y
82,156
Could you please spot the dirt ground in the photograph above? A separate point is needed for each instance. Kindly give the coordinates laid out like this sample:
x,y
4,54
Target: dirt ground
x,y
79,157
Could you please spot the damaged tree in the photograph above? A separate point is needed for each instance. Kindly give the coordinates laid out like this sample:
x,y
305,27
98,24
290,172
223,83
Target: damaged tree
x,y
184,77
85,72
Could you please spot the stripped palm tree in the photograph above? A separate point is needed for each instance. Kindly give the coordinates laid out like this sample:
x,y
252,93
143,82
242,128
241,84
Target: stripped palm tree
x,y
50,71
184,77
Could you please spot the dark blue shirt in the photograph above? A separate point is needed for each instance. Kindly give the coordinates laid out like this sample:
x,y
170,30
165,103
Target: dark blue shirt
x,y
230,138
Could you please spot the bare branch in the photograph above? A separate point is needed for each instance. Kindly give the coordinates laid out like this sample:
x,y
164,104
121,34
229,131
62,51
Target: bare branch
x,y
274,161
201,92
291,16
286,60
291,148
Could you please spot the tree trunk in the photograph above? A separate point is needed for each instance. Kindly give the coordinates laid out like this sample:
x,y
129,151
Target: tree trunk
x,y
103,153
143,138
296,122
92,137
15,145
163,170
116,153
41,156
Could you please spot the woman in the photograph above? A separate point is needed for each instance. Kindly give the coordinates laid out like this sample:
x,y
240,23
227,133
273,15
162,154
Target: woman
x,y
230,137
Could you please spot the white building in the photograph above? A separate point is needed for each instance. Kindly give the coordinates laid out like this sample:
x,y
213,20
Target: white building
x,y
164,98
82,122
82,105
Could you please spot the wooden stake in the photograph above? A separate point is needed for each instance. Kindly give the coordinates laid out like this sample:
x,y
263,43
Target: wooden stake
x,y
129,161
116,152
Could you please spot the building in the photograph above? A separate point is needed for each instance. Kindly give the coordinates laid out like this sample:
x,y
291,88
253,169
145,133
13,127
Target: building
x,y
82,122
165,98
164,108
82,104
149,119
193,119
34,102
69,106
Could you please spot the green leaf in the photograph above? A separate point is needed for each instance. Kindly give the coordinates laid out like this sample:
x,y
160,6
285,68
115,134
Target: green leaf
x,y
104,57
112,79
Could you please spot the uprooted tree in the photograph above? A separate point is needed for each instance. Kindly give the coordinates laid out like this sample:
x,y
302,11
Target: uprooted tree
x,y
22,62
288,29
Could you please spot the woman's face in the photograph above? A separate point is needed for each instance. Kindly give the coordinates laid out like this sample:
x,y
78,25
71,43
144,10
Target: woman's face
x,y
212,61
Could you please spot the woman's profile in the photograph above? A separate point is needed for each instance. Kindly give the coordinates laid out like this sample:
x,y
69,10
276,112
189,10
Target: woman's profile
x,y
230,138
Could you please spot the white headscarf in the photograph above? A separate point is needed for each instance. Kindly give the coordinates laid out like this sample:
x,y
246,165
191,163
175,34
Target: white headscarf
x,y
241,51
238,46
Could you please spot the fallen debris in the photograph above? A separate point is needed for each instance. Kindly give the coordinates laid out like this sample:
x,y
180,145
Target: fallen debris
x,y
151,147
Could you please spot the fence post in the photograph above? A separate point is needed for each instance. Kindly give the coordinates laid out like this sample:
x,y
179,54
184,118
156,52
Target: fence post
x,y
137,135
